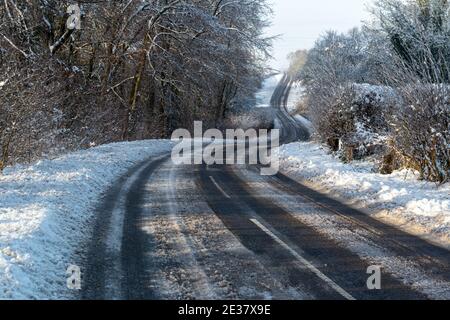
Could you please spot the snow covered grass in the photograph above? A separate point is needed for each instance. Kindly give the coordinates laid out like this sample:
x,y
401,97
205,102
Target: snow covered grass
x,y
46,213
400,198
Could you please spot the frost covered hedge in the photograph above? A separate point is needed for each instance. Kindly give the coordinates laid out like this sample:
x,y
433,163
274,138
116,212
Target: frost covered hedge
x,y
407,127
421,130
406,47
355,118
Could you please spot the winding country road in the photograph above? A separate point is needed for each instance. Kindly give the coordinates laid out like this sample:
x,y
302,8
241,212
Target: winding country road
x,y
206,232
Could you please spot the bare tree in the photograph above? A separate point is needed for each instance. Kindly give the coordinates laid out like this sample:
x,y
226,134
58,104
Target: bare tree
x,y
136,69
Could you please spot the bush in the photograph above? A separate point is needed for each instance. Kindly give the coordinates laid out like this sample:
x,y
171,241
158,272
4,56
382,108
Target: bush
x,y
407,48
301,107
421,130
355,119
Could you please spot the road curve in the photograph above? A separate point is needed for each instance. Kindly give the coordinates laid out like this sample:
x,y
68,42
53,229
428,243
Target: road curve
x,y
205,232
291,130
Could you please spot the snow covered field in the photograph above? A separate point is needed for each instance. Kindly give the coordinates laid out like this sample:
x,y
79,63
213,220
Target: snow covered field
x,y
420,207
46,214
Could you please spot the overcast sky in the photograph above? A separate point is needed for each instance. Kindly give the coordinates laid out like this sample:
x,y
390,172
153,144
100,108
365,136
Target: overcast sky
x,y
300,22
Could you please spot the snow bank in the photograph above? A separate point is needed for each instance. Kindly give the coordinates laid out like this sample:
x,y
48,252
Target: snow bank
x,y
421,207
264,95
305,122
46,211
295,95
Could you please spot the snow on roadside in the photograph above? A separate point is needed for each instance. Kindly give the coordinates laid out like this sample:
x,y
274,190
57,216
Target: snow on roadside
x,y
399,198
264,95
306,123
295,95
46,212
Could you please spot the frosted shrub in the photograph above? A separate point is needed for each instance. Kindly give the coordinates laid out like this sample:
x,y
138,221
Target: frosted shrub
x,y
422,130
355,118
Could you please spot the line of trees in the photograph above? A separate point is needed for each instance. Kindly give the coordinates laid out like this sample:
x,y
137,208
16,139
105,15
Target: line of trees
x,y
136,69
385,89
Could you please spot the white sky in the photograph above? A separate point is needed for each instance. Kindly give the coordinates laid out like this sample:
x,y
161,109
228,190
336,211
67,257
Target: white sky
x,y
301,22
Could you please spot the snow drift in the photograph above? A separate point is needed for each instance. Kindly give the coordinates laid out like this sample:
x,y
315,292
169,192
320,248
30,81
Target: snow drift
x,y
46,213
420,206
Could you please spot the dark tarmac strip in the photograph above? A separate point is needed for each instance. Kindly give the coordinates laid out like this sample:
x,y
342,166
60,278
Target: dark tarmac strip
x,y
294,252
104,280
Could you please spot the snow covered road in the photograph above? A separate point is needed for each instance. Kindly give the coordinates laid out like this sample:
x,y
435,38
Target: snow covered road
x,y
141,227
206,232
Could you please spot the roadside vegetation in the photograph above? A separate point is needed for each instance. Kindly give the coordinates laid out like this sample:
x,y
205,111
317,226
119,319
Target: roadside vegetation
x,y
383,90
135,70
